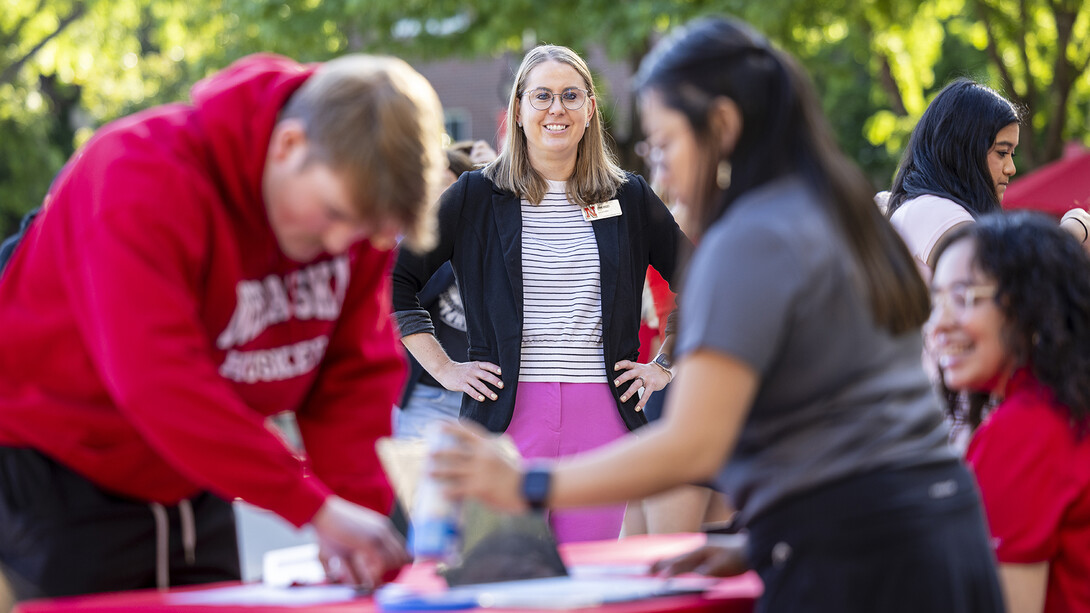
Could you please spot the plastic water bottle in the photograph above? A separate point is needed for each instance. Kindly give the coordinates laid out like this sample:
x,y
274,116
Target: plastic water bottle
x,y
435,521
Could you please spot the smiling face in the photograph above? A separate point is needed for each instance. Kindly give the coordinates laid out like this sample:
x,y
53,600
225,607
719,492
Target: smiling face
x,y
309,205
553,135
1001,158
966,326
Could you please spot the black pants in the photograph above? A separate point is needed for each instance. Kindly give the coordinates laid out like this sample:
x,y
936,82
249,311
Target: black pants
x,y
62,535
892,541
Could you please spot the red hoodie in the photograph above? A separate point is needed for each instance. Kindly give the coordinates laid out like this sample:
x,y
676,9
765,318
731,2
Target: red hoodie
x,y
151,323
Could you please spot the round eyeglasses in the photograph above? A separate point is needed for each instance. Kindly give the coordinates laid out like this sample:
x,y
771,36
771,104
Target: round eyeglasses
x,y
961,297
572,98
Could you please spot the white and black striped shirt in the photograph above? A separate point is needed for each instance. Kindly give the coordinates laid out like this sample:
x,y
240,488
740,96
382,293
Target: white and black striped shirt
x,y
562,293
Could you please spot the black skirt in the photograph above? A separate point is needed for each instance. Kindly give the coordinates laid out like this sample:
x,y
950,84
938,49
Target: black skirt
x,y
906,540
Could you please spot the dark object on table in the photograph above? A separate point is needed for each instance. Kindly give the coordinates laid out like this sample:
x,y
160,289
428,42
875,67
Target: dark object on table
x,y
500,547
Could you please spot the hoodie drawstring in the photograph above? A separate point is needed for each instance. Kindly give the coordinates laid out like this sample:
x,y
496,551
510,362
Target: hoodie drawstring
x,y
189,531
162,539
162,546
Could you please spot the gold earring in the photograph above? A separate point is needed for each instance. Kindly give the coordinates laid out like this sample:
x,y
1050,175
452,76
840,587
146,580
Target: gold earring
x,y
722,174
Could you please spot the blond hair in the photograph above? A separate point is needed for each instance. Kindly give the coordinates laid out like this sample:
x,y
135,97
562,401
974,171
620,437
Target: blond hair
x,y
596,177
379,123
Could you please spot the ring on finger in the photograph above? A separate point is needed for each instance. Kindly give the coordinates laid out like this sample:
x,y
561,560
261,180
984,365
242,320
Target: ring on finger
x,y
335,566
642,382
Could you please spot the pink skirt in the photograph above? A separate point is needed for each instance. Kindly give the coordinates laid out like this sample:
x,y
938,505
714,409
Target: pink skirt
x,y
553,420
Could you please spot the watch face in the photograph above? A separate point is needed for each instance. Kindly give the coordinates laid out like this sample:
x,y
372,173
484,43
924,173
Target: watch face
x,y
663,361
535,487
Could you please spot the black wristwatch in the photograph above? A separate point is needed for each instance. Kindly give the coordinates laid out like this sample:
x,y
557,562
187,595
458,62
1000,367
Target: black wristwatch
x,y
664,362
535,486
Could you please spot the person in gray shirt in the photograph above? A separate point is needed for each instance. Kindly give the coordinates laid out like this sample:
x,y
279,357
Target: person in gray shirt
x,y
799,387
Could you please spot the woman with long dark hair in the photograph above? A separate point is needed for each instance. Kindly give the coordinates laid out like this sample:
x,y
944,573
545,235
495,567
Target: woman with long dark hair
x,y
956,167
799,389
1024,340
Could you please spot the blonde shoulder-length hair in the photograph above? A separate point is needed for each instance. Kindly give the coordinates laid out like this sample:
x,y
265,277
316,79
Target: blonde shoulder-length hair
x,y
596,177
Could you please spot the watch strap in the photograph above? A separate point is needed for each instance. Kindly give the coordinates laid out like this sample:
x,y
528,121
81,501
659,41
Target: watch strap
x,y
665,364
535,486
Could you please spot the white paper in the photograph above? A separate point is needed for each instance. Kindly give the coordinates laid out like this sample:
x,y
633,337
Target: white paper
x,y
292,566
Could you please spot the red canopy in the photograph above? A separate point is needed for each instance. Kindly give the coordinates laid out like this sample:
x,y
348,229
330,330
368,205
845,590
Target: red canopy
x,y
1053,188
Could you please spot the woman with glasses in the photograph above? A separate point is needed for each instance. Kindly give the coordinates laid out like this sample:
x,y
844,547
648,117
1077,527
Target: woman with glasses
x,y
1024,340
799,390
955,169
550,244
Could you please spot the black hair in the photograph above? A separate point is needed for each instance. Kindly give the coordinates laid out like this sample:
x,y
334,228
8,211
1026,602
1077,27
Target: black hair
x,y
783,133
947,153
1043,279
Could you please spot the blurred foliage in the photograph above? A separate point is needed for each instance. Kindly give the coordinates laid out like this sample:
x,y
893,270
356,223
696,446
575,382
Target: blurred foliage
x,y
67,66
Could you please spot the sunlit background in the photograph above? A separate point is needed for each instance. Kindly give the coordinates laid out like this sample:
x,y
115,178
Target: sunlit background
x,y
68,66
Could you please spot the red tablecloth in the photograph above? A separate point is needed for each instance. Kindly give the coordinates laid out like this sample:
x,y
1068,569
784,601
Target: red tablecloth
x,y
736,594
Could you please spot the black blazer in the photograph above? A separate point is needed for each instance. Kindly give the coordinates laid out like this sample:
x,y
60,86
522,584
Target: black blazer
x,y
480,233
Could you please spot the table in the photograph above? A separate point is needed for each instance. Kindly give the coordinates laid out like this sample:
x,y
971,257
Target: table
x,y
735,594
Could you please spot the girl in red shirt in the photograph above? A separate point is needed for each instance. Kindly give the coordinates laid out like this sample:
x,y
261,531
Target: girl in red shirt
x,y
1011,320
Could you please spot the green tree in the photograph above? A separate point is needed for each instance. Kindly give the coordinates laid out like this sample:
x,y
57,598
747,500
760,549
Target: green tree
x,y
877,62
1036,52
30,141
1041,52
67,66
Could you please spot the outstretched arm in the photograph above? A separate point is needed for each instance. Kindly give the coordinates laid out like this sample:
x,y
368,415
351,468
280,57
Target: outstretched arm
x,y
704,415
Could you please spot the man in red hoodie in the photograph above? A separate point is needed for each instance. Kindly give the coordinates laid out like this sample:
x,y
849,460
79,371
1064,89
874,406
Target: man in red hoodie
x,y
195,269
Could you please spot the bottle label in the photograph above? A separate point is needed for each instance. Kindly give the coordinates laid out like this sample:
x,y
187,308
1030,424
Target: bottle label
x,y
434,537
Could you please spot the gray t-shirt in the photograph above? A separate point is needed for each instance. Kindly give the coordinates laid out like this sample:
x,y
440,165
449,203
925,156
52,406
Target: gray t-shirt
x,y
774,285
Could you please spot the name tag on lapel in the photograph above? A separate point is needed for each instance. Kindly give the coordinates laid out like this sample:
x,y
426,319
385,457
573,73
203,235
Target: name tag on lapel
x,y
602,210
